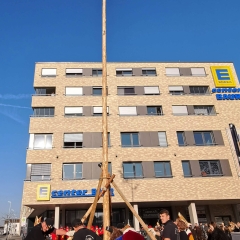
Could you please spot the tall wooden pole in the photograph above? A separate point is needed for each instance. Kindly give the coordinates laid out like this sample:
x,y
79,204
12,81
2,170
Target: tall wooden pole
x,y
106,207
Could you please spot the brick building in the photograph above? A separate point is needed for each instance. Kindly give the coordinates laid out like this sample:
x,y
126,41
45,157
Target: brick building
x,y
170,144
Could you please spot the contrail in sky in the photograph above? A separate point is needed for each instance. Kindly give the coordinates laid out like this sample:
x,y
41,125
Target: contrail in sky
x,y
13,96
13,116
15,106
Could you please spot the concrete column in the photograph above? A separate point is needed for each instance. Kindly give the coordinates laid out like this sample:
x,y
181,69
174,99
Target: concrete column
x,y
135,221
57,216
193,213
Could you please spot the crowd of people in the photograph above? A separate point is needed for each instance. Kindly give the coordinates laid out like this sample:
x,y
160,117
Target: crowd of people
x,y
180,229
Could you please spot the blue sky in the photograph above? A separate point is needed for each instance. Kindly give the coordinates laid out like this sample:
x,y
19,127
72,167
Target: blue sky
x,y
70,30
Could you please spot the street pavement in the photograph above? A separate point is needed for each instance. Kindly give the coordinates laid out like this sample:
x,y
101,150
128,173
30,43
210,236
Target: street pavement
x,y
3,237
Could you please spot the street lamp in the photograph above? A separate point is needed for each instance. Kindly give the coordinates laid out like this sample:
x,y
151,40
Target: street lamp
x,y
10,204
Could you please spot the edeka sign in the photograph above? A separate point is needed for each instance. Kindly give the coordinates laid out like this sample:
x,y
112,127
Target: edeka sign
x,y
223,76
227,93
76,193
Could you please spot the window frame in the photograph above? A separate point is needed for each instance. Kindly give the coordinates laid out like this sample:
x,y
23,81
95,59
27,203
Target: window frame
x,y
145,72
155,114
183,137
44,109
199,93
76,74
74,143
189,168
164,169
134,170
74,171
49,75
45,141
43,177
203,138
131,139
72,114
123,72
207,107
126,94
97,74
204,174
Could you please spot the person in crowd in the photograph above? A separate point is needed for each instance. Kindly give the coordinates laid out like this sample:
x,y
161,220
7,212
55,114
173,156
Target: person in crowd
x,y
82,233
129,233
43,229
237,227
182,226
170,231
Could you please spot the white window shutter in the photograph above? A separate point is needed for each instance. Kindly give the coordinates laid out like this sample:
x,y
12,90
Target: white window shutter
x,y
73,110
127,110
49,72
180,110
73,137
172,72
198,72
151,90
74,91
175,88
74,70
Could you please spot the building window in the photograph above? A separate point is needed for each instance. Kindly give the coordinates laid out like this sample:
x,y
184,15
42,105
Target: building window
x,y
97,111
162,139
124,72
176,90
110,168
151,91
126,91
40,172
132,170
172,72
210,168
97,72
74,72
130,139
180,110
40,141
74,91
73,111
72,171
97,91
73,140
45,91
149,72
199,90
204,110
43,112
186,169
162,169
154,110
198,72
49,72
181,139
128,111
203,138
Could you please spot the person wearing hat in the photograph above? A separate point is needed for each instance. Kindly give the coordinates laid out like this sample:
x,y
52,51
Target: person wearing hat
x,y
82,233
43,229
